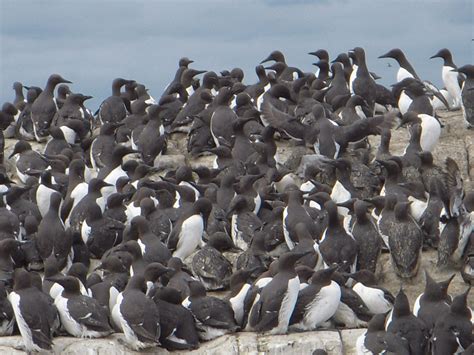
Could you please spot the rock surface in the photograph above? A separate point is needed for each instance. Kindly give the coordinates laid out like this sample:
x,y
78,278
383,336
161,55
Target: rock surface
x,y
456,142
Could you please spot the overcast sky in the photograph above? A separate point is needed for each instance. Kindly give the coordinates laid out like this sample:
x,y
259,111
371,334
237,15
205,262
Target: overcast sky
x,y
92,42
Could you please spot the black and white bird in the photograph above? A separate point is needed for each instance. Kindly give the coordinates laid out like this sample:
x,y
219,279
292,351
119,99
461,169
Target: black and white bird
x,y
137,315
273,307
82,316
36,327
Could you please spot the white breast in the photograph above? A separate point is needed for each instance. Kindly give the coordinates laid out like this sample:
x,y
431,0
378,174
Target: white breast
x,y
85,231
258,203
237,234
352,78
287,306
416,306
43,197
263,282
340,194
417,208
71,326
114,175
402,74
359,112
450,80
79,192
69,134
404,103
373,298
322,307
237,303
190,236
116,315
25,330
113,295
130,336
430,132
55,290
132,211
286,234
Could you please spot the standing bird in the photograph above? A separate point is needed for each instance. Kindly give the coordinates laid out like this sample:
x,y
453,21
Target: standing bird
x,y
405,240
7,317
51,236
337,246
451,79
430,129
34,312
82,316
404,324
363,84
137,315
406,70
114,109
223,118
187,233
367,236
182,66
44,107
273,307
317,302
19,100
73,108
152,141
24,125
467,94
377,299
434,302
28,161
453,331
214,316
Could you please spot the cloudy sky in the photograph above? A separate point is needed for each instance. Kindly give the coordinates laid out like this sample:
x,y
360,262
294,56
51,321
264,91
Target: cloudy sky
x,y
92,42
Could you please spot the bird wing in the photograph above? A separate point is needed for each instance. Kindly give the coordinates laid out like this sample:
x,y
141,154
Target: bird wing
x,y
173,237
454,183
433,90
88,312
283,121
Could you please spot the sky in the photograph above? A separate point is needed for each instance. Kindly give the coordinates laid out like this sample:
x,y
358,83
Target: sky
x,y
91,42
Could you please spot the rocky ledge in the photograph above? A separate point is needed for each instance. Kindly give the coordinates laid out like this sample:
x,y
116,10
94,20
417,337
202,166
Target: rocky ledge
x,y
456,142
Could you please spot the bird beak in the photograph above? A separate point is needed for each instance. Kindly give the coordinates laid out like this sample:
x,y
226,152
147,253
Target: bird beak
x,y
267,59
12,154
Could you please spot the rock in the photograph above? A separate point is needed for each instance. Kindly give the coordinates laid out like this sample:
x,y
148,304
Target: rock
x,y
349,338
290,155
170,162
415,286
241,343
203,160
301,343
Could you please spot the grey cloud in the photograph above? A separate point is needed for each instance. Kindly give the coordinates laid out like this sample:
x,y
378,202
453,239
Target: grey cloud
x,y
93,42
